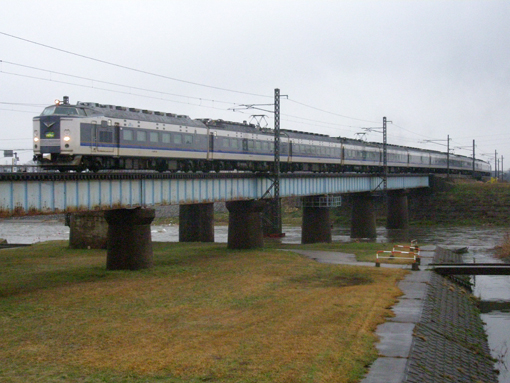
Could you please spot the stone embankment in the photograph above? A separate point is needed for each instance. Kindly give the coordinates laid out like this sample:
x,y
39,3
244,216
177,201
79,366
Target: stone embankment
x,y
436,335
449,341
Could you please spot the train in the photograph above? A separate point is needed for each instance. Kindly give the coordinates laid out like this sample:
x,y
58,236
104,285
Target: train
x,y
89,136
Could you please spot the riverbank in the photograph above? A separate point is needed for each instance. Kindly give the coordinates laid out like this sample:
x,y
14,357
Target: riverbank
x,y
203,313
436,334
449,341
461,202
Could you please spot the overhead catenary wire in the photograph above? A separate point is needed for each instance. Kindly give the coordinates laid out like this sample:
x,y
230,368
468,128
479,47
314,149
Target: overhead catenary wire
x,y
332,113
108,90
114,84
130,68
130,87
171,78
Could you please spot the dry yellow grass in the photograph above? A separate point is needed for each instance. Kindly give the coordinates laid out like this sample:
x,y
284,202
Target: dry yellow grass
x,y
203,314
503,250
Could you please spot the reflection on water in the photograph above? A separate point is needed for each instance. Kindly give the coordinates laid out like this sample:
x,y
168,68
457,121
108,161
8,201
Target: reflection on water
x,y
480,241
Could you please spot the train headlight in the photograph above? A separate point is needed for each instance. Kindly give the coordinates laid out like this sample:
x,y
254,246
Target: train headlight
x,y
67,138
36,139
36,136
67,135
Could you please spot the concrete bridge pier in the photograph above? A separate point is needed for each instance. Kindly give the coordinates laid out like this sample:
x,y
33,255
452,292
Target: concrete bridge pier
x,y
129,239
245,224
363,216
87,230
316,226
196,222
398,212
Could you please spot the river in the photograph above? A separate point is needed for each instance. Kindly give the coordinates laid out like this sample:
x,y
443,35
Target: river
x,y
492,290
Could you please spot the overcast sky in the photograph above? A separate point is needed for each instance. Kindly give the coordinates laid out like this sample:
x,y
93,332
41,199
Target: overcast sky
x,y
433,68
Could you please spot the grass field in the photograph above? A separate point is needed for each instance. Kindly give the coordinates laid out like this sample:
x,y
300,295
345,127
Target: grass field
x,y
203,313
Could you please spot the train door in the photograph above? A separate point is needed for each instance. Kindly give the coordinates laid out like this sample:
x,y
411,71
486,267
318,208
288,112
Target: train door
x,y
210,148
289,158
106,138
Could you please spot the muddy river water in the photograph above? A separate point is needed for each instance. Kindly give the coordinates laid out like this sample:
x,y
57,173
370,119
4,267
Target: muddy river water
x,y
492,290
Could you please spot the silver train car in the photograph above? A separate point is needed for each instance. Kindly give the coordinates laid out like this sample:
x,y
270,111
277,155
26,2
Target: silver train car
x,y
91,136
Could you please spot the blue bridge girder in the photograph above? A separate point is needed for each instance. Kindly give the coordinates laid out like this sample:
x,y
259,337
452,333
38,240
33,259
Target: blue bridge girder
x,y
50,193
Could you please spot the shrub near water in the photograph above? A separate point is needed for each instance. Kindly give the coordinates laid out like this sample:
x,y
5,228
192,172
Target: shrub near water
x,y
203,313
503,250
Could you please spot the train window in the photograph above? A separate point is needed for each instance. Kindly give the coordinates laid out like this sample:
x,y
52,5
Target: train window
x,y
62,110
225,142
188,139
141,135
234,143
250,145
258,145
127,135
105,136
165,138
153,137
265,146
177,138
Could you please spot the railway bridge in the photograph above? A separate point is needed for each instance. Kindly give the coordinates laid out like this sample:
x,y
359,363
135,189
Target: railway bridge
x,y
128,198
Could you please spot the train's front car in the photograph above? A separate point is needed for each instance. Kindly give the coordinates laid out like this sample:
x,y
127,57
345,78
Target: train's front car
x,y
56,136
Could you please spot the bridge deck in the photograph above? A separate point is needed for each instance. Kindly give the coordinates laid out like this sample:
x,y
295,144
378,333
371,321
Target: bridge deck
x,y
36,193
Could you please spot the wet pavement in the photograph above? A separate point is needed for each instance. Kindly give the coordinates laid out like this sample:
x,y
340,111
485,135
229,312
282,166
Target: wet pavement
x,y
436,332
396,335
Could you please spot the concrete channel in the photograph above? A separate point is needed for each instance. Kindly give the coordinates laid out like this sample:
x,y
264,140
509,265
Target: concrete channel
x,y
436,335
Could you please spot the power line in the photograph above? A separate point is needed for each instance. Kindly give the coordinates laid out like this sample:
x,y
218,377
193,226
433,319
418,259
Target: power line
x,y
107,90
147,90
112,83
16,110
172,78
332,113
129,68
22,104
151,74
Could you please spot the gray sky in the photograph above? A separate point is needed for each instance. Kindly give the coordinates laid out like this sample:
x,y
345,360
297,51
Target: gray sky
x,y
434,68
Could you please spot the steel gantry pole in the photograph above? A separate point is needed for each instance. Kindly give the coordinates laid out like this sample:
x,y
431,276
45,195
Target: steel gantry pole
x,y
385,156
496,164
277,218
474,169
272,222
448,156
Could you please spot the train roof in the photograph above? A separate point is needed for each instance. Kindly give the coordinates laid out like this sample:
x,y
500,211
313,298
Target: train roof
x,y
114,111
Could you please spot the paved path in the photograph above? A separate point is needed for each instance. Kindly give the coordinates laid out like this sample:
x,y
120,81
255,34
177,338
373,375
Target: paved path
x,y
396,335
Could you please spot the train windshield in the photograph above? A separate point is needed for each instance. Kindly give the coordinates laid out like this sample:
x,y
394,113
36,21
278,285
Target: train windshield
x,y
63,111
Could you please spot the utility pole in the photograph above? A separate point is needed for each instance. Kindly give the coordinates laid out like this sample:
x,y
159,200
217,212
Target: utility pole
x,y
384,177
474,170
385,156
502,170
272,214
447,153
448,157
273,211
496,164
277,205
